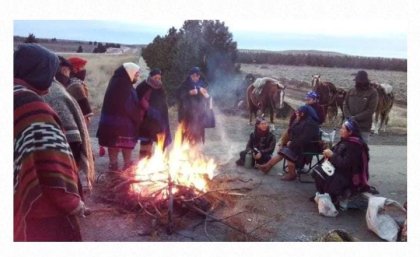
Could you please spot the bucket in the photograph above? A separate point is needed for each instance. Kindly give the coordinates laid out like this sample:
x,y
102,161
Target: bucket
x,y
249,162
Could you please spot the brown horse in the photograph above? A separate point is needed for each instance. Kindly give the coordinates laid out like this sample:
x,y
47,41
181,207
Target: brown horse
x,y
330,98
385,103
265,93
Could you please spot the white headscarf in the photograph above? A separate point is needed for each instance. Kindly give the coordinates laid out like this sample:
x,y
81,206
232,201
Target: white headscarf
x,y
131,69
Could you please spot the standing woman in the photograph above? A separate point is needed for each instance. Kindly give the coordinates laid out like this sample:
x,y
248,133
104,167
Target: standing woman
x,y
152,99
120,118
192,106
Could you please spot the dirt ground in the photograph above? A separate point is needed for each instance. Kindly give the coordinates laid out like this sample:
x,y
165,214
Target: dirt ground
x,y
259,207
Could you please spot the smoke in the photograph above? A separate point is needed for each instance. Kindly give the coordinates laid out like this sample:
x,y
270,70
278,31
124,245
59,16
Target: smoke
x,y
227,139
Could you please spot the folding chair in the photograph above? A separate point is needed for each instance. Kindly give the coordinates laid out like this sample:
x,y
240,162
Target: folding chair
x,y
325,139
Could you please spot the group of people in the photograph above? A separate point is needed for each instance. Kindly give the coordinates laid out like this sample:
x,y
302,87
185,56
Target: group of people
x,y
53,158
350,156
140,113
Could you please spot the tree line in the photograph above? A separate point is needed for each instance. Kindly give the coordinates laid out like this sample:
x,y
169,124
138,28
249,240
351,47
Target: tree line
x,y
99,47
207,44
322,60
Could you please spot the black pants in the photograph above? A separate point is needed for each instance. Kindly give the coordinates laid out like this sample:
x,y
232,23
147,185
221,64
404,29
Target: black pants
x,y
264,157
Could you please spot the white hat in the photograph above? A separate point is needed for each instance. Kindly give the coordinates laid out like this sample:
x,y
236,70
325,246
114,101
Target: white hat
x,y
131,69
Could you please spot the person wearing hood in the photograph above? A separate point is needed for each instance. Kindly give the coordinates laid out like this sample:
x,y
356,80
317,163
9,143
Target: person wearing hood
x,y
303,133
120,120
261,143
46,198
154,113
360,103
77,86
192,106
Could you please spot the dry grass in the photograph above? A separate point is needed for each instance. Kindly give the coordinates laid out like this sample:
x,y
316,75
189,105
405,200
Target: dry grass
x,y
341,77
100,68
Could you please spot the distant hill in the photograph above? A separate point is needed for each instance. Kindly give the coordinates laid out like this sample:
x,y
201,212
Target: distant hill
x,y
306,52
65,45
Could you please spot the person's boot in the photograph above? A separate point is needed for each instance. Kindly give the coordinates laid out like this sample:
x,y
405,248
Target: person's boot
x,y
290,175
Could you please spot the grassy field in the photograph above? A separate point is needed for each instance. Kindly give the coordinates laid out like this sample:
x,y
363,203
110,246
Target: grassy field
x,y
100,68
301,76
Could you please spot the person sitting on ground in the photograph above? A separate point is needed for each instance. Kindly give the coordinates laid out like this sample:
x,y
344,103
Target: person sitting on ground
x,y
350,157
261,142
304,135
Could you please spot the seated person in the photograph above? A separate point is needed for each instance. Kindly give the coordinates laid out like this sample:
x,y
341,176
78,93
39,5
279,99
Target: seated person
x,y
311,98
303,133
261,142
350,157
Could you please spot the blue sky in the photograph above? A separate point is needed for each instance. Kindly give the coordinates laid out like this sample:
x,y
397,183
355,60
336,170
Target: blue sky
x,y
358,39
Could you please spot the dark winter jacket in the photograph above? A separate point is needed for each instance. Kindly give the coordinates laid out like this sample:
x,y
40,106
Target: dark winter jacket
x,y
361,104
120,114
304,137
265,143
156,119
350,160
351,163
192,109
318,117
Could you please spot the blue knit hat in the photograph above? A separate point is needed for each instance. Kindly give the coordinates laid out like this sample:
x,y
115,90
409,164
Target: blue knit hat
x,y
154,72
311,95
194,70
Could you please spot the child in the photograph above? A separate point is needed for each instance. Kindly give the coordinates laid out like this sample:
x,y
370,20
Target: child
x,y
261,142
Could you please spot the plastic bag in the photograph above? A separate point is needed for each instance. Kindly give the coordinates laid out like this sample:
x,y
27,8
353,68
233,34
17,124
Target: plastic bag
x,y
325,205
381,223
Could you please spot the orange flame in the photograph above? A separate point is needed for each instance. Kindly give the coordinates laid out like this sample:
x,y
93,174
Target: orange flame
x,y
182,163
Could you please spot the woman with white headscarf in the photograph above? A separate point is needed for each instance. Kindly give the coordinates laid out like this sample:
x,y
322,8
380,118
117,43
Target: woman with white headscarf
x,y
120,119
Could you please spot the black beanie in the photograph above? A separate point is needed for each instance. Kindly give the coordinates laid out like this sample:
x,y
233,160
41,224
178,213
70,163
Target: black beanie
x,y
154,72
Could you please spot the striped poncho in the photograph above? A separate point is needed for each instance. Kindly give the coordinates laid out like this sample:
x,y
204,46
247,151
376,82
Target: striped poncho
x,y
45,173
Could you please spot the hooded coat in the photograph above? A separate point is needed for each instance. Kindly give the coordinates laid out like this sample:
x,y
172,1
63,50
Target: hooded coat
x,y
156,119
192,110
120,114
46,193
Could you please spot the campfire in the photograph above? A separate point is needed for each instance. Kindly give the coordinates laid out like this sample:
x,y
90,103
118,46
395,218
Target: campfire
x,y
178,177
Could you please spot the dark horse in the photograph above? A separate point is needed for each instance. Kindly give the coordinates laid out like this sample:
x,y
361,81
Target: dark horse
x,y
265,93
330,97
385,103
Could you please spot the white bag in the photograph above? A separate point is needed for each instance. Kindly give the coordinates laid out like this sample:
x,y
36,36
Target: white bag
x,y
381,223
327,167
325,205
